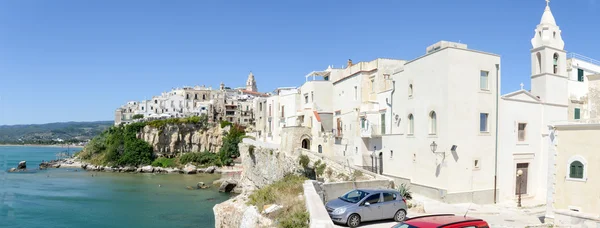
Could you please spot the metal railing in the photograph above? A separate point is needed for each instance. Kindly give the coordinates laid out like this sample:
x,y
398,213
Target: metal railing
x,y
582,57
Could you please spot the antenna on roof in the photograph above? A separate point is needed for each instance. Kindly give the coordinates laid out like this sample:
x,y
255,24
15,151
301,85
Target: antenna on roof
x,y
467,210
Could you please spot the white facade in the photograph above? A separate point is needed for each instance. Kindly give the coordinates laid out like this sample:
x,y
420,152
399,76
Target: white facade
x,y
440,97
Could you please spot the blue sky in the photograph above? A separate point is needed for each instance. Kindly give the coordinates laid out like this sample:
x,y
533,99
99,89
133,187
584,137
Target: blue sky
x,y
71,60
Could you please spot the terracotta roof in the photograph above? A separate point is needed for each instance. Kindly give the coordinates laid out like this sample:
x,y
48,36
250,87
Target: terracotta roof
x,y
254,93
317,115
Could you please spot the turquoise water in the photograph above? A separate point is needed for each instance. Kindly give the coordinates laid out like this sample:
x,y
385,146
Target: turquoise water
x,y
69,198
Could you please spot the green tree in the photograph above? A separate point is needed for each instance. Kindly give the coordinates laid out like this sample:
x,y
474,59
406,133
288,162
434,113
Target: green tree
x,y
137,116
230,149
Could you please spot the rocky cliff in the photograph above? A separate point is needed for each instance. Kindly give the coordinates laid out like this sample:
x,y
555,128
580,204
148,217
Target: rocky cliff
x,y
168,140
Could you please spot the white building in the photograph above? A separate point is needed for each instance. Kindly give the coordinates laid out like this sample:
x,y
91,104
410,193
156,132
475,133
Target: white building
x,y
559,92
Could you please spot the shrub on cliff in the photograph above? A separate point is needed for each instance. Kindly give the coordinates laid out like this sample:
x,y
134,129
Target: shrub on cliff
x,y
230,149
200,158
137,116
164,162
119,146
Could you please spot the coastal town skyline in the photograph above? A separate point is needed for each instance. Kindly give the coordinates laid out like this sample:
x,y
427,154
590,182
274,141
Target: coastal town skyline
x,y
142,49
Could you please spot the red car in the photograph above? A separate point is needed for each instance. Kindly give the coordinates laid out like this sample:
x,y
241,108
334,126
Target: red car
x,y
443,220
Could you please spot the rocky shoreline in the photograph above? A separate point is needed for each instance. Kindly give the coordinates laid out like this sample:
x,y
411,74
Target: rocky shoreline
x,y
227,182
74,163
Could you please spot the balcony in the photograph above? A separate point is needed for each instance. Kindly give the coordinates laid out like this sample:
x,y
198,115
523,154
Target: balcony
x,y
338,133
370,131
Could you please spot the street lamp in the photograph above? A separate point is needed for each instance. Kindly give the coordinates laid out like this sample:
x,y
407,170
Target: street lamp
x,y
433,147
519,177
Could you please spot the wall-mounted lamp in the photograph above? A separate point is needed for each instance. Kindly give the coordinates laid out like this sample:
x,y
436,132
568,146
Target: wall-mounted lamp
x,y
433,146
453,149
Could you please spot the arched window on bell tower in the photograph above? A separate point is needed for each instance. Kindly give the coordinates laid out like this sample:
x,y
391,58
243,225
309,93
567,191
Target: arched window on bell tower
x,y
555,63
538,63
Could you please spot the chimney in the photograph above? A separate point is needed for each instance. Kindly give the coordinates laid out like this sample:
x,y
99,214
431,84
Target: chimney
x,y
349,62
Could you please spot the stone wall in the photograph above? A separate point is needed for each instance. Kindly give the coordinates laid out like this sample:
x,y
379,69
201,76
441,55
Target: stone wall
x,y
175,138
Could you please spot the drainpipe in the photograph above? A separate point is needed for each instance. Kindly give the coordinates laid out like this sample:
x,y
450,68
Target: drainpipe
x,y
392,106
496,149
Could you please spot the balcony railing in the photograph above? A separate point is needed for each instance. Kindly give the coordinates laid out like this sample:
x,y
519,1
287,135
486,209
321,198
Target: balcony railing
x,y
370,131
584,58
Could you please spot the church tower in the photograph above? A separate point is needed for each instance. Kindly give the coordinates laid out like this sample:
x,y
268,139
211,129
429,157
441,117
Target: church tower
x,y
549,61
251,83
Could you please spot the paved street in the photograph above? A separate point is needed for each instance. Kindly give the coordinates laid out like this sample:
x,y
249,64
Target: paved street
x,y
500,215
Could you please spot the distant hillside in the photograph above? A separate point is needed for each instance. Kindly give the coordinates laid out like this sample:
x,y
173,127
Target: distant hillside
x,y
52,133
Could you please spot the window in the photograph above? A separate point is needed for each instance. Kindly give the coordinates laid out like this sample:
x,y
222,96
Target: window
x,y
577,114
579,75
312,96
283,111
355,93
389,197
576,170
538,63
522,131
362,123
410,90
260,107
372,199
411,124
383,123
483,122
483,80
305,98
320,149
372,85
391,154
432,123
476,164
555,58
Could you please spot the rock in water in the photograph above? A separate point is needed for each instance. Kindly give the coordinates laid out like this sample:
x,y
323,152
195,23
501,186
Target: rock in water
x,y
12,170
201,185
227,186
210,169
22,165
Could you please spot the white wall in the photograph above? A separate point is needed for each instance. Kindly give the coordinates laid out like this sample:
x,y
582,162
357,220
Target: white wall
x,y
451,89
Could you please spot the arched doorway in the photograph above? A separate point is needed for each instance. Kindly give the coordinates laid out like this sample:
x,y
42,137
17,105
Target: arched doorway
x,y
306,144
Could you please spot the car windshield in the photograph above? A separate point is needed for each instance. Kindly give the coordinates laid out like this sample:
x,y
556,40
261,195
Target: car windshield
x,y
354,196
403,225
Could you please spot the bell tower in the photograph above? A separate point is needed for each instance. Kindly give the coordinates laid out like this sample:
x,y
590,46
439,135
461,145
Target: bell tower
x,y
251,83
549,61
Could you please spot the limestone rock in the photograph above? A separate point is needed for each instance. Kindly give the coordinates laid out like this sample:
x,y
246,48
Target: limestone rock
x,y
190,169
127,169
22,165
228,185
201,185
210,169
12,170
147,169
172,139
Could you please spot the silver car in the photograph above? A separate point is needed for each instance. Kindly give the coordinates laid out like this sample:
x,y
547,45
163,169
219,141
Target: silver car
x,y
360,205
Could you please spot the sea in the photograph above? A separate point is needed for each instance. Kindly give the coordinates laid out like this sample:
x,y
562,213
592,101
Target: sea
x,y
69,197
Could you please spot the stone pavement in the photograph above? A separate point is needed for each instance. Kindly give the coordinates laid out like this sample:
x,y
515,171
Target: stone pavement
x,y
500,215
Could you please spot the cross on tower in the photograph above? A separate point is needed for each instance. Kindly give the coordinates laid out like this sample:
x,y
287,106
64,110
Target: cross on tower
x,y
547,2
521,82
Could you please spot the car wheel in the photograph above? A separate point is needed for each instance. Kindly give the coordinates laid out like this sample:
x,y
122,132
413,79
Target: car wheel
x,y
400,215
354,220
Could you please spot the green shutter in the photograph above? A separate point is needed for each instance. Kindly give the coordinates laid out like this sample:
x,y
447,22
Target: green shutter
x,y
577,114
576,170
579,75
